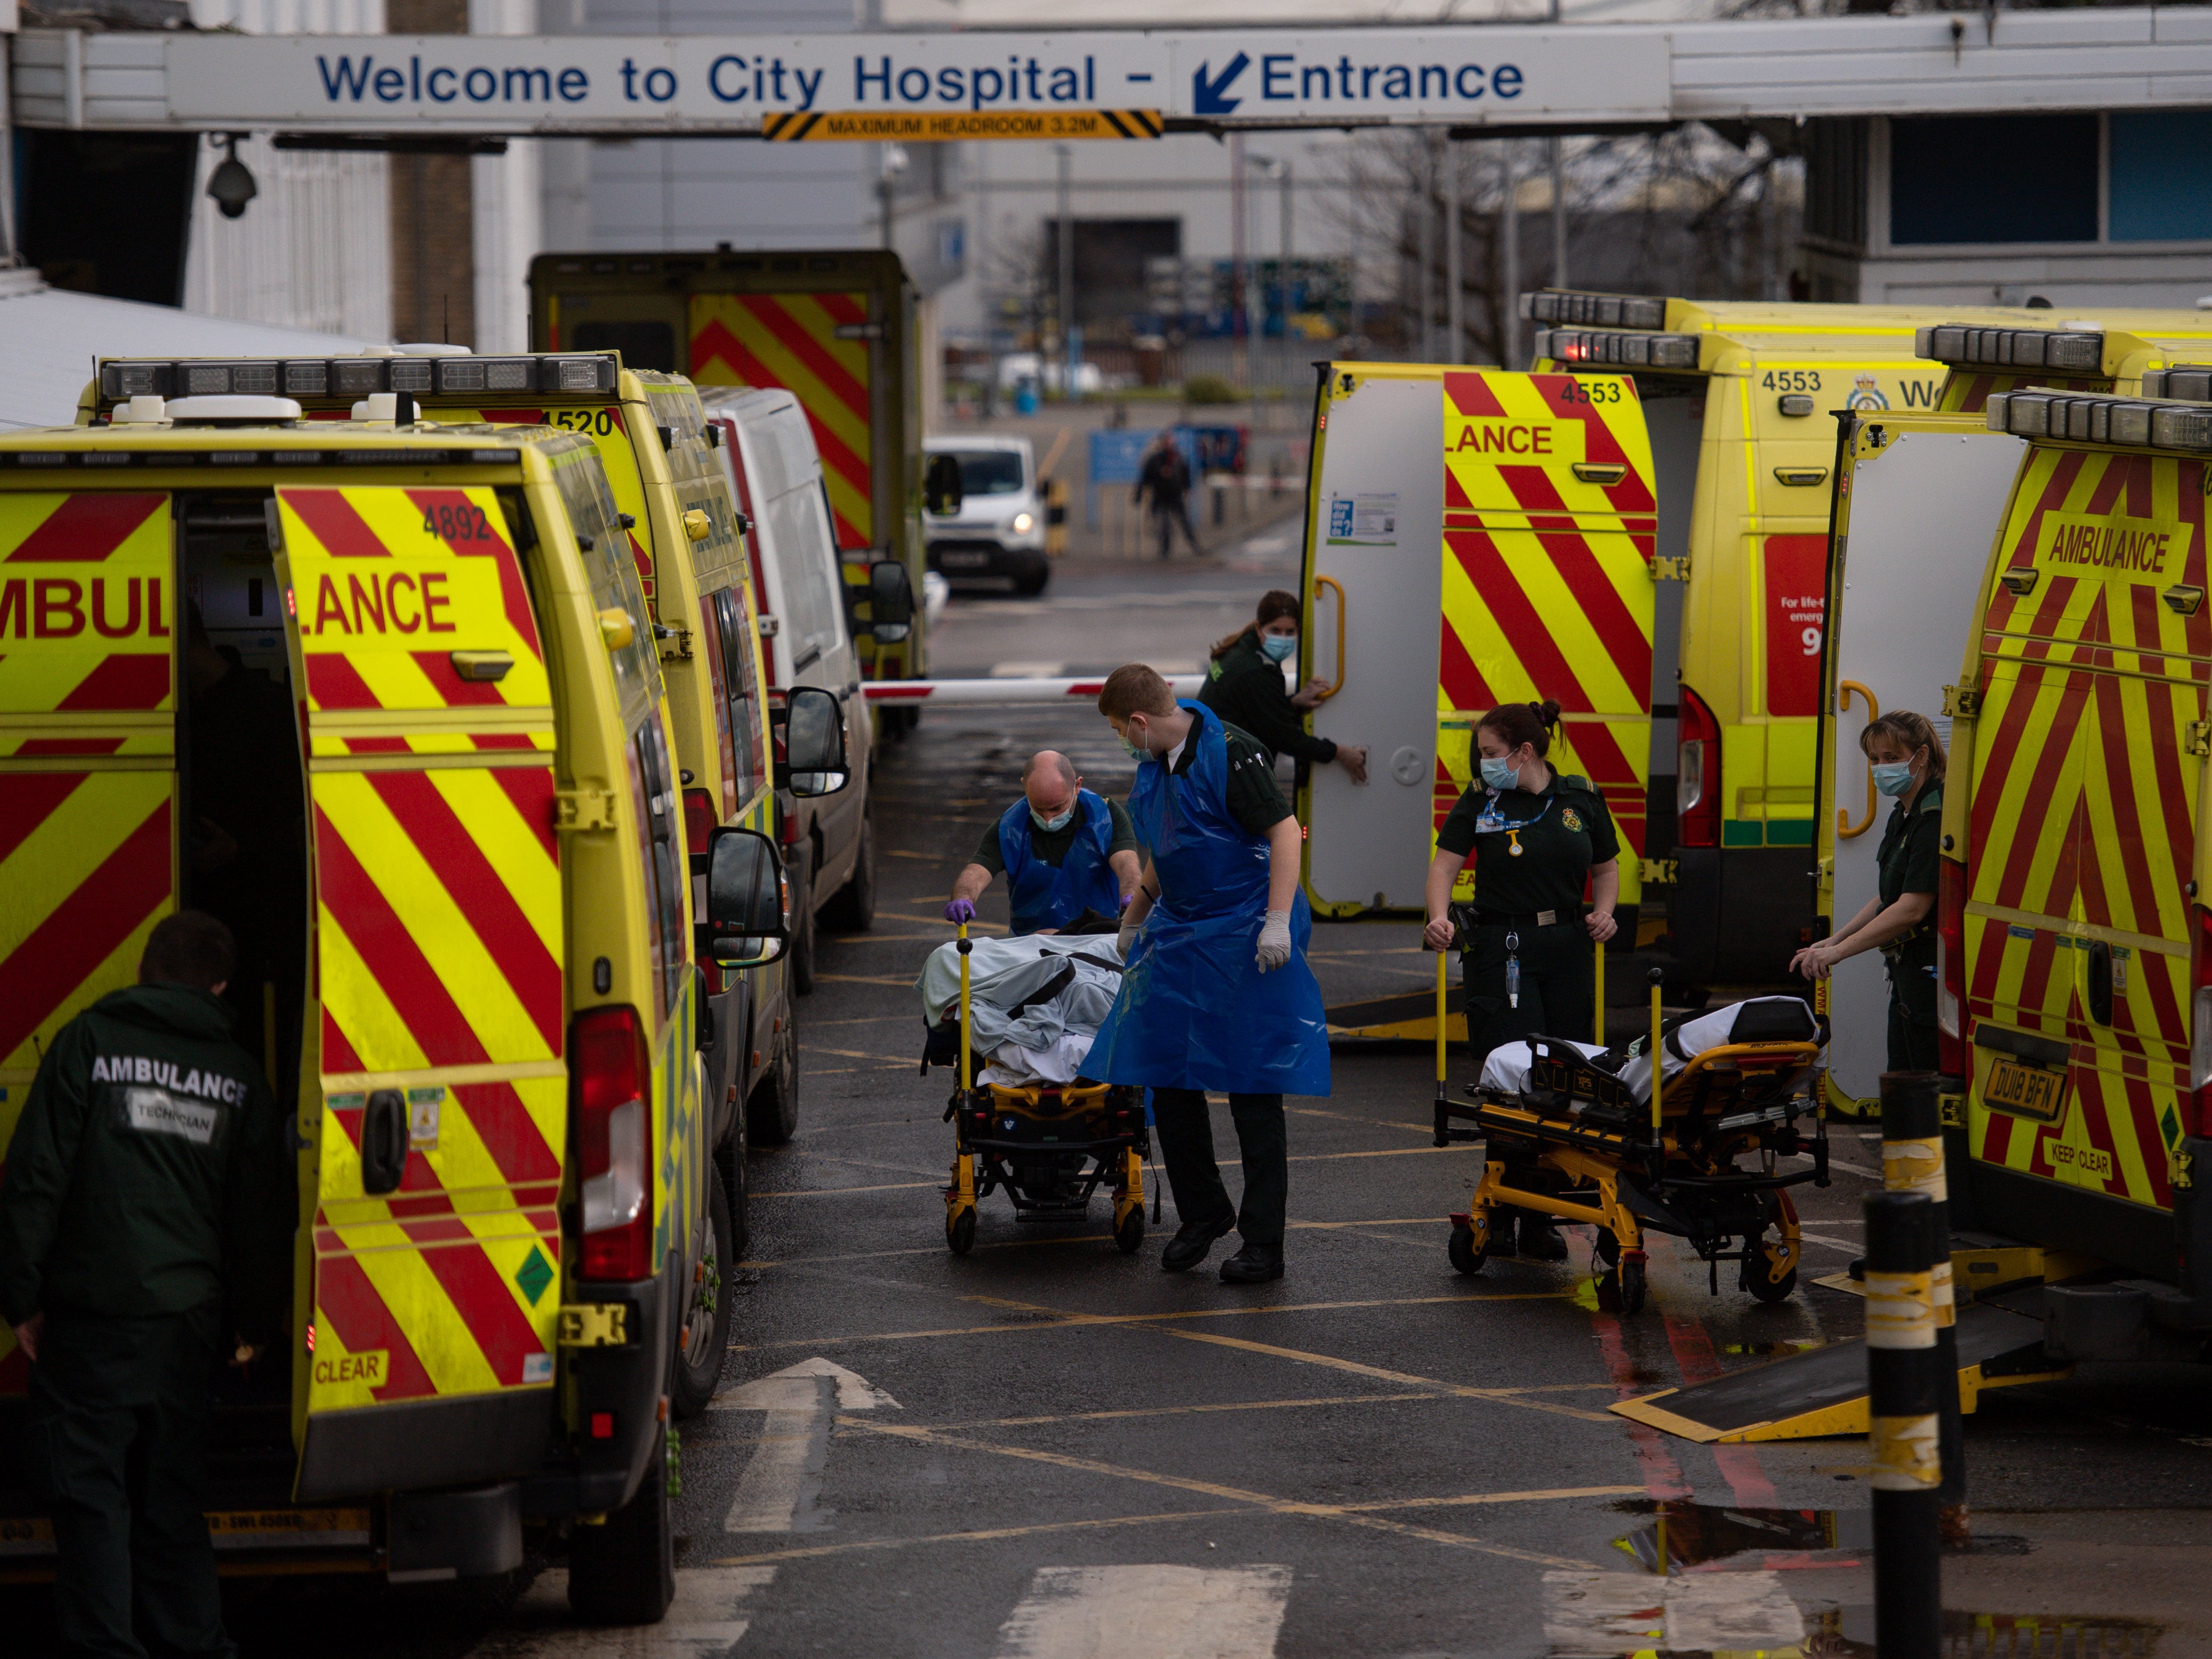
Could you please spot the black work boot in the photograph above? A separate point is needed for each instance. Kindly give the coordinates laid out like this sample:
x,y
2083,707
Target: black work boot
x,y
1192,1244
1504,1225
1255,1264
1540,1238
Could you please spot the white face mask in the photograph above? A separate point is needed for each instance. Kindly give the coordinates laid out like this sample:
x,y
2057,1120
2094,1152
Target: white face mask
x,y
1051,824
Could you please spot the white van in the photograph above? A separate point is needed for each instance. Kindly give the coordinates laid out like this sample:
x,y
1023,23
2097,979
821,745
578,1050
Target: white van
x,y
999,528
806,639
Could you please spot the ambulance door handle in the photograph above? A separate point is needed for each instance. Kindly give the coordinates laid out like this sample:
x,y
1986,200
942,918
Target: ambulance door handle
x,y
1320,582
383,1140
1844,829
2100,982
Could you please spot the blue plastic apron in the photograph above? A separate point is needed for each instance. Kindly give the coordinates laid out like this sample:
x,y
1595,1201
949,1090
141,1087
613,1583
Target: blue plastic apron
x,y
1195,1011
1045,897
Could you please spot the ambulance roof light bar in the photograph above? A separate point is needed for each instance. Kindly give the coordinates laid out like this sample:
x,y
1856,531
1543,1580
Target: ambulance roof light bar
x,y
2080,351
2130,420
2186,382
1576,308
1613,349
353,378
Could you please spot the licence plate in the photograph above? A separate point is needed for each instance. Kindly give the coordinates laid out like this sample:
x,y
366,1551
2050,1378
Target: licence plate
x,y
964,561
2024,1090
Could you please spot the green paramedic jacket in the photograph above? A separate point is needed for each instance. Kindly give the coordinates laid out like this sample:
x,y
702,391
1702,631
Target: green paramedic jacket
x,y
148,1174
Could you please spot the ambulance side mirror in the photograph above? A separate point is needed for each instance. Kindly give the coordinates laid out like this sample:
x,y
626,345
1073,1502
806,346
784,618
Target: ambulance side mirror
x,y
810,733
942,493
747,923
890,602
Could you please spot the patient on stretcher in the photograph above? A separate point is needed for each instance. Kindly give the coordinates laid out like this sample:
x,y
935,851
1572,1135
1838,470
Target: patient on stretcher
x,y
1036,1003
1758,1019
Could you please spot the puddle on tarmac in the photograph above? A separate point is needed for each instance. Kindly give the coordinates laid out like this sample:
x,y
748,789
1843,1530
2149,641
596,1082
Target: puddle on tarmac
x,y
1773,1350
1690,1537
1848,1634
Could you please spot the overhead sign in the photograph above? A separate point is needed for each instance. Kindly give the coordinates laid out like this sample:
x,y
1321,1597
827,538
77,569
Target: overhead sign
x,y
930,126
707,83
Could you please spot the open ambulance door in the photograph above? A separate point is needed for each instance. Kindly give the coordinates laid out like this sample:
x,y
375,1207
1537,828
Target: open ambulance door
x,y
88,626
1919,498
1515,565
434,1103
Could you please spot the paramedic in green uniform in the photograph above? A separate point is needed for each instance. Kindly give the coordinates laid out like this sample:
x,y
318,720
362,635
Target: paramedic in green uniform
x,y
146,1216
1244,686
1539,837
1906,755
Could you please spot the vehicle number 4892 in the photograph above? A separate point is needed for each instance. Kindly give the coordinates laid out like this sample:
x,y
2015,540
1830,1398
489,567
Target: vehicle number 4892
x,y
456,522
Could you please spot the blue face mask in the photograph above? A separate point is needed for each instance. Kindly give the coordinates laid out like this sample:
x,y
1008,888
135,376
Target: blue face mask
x,y
1893,777
1500,774
1135,752
1049,824
1278,647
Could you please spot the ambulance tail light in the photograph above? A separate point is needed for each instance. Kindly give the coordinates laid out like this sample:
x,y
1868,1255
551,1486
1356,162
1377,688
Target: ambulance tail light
x,y
610,1083
698,820
1951,967
1697,773
2200,1019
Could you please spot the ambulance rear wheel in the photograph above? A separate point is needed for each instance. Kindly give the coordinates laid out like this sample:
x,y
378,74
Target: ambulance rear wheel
x,y
622,1572
960,1232
707,1321
853,910
1129,1235
1464,1257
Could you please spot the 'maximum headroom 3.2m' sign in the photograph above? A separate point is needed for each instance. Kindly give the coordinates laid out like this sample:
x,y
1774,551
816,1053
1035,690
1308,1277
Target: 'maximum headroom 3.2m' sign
x,y
521,84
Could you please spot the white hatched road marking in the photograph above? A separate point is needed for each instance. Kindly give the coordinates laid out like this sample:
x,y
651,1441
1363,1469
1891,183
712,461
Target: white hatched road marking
x,y
1148,1612
705,1621
1590,1615
776,1492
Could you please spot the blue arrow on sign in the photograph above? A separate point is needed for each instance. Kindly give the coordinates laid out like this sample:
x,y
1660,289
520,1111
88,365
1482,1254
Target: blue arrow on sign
x,y
1206,96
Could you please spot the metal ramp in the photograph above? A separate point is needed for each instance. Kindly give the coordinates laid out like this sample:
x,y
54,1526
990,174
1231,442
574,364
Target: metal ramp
x,y
1824,1391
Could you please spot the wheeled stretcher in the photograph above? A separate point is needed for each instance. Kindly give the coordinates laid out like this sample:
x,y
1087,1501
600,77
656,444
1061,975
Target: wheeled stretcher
x,y
1587,1134
1031,1123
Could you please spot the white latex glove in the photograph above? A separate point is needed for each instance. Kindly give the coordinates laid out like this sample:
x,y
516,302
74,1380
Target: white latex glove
x,y
1125,941
1275,941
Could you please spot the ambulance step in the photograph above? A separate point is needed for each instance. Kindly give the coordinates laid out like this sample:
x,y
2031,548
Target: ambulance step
x,y
1408,1018
1824,1391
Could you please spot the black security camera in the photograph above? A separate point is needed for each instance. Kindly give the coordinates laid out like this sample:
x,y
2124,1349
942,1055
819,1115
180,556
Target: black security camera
x,y
232,182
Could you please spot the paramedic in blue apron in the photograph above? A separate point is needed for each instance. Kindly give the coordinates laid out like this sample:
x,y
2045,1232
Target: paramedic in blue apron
x,y
1539,837
1215,995
1069,856
1905,754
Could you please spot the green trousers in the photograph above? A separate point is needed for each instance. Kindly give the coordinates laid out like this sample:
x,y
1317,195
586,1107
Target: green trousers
x,y
1186,1133
1913,1033
1559,987
118,1417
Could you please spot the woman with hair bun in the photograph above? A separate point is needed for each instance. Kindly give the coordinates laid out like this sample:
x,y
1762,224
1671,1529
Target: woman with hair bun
x,y
1905,752
1539,837
1244,686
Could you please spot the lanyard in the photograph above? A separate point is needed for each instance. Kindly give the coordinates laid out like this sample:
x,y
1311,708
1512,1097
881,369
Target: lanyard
x,y
1492,821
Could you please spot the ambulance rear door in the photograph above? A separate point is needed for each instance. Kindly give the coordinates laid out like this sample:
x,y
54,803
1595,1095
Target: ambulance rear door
x,y
2082,839
1519,568
438,1012
1919,501
89,626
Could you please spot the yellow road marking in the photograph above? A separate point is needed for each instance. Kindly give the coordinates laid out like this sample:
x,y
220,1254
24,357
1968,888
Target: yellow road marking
x,y
1208,1489
826,1192
859,1053
864,1019
810,1552
868,978
1349,1117
1389,1151
1244,1406
1065,1320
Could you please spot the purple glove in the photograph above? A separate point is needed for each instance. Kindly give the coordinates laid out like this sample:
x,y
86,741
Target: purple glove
x,y
959,910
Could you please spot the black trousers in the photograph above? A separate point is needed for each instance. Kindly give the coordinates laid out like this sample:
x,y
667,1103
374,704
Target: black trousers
x,y
1186,1133
118,1416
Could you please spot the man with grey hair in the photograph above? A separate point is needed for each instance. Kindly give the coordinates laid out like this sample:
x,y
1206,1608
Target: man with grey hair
x,y
1069,856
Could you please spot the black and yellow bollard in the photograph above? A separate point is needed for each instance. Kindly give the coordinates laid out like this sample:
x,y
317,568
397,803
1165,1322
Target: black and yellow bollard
x,y
1913,1161
1907,1380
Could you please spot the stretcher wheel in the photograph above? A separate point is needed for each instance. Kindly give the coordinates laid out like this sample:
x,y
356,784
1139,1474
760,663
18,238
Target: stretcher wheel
x,y
1632,1286
1757,1278
1129,1232
1464,1255
1608,1248
960,1232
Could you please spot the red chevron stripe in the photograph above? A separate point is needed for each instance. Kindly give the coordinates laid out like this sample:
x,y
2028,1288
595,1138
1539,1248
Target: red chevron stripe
x,y
38,748
1579,566
2042,957
844,307
2142,1107
802,343
1462,682
455,692
2055,488
480,893
29,800
348,1305
2040,801
332,519
1468,393
334,682
82,932
85,528
512,594
1518,620
716,341
509,1134
393,959
1633,493
487,1307
135,679
531,789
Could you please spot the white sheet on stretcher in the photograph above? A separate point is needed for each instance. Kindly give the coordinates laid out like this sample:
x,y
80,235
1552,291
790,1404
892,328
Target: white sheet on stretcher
x,y
1047,1041
1507,1068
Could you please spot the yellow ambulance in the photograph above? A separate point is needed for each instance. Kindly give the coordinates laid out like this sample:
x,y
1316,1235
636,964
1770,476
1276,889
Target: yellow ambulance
x,y
2075,969
1737,397
384,695
2109,352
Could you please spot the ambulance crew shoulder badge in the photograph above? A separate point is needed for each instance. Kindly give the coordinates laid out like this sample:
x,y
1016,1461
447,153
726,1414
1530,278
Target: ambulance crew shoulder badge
x,y
1573,819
